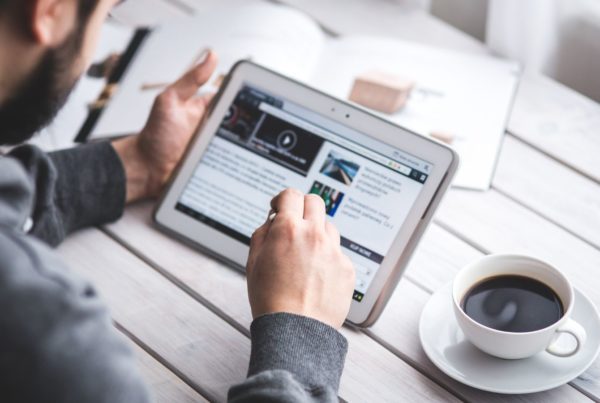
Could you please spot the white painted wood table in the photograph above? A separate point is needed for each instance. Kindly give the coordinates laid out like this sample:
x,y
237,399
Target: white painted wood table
x,y
188,317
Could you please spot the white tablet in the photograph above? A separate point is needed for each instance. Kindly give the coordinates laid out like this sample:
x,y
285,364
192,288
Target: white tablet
x,y
265,132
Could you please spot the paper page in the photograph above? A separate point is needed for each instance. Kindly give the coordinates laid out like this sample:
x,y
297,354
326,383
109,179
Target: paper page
x,y
149,13
146,13
278,37
465,96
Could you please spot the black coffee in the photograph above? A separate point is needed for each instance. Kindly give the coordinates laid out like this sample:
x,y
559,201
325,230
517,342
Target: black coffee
x,y
513,304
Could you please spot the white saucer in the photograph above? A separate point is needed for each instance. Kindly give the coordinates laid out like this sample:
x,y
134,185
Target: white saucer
x,y
445,345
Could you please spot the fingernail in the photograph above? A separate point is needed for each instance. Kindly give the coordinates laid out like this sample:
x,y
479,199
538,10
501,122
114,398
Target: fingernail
x,y
271,215
202,57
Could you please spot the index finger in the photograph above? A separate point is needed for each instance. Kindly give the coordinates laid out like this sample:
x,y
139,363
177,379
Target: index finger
x,y
289,202
187,85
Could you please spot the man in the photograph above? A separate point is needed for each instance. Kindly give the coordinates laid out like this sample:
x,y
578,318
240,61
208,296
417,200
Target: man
x,y
56,340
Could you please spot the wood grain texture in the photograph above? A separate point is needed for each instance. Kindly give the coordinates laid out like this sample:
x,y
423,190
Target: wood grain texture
x,y
550,189
209,353
494,223
448,249
166,386
371,373
558,121
434,264
498,224
438,258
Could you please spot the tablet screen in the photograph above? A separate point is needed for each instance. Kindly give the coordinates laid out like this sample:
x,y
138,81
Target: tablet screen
x,y
266,144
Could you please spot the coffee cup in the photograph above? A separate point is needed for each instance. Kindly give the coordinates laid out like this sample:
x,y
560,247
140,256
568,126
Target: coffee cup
x,y
513,306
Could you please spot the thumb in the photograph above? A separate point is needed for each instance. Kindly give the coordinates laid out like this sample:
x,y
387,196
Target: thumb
x,y
187,85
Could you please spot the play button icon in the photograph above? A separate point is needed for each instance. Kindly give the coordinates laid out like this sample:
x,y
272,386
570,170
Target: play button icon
x,y
287,139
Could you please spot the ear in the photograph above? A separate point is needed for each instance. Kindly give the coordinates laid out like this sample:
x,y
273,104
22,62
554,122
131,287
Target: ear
x,y
52,20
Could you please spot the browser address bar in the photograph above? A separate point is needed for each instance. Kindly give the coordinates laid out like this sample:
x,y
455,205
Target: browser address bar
x,y
303,124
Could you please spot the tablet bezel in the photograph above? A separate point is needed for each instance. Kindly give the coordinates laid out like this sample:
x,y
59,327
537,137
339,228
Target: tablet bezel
x,y
443,159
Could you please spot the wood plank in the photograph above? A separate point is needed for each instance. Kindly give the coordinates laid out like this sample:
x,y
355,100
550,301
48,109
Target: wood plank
x,y
494,223
558,121
438,258
372,373
498,224
166,386
209,353
549,188
216,287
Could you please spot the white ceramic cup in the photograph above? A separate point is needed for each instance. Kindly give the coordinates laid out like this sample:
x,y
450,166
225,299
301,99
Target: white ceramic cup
x,y
513,345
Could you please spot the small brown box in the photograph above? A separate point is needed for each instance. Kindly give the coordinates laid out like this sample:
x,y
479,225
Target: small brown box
x,y
383,92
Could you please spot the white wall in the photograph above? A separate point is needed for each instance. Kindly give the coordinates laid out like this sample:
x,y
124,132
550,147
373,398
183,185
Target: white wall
x,y
467,15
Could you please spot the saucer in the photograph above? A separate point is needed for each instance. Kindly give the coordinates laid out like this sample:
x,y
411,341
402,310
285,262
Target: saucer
x,y
446,346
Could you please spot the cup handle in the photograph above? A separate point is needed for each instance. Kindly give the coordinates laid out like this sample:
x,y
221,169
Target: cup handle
x,y
574,329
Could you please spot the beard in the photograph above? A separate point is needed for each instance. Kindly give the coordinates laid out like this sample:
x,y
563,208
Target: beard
x,y
41,95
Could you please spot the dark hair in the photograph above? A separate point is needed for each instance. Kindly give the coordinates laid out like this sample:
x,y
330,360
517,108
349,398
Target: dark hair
x,y
38,98
86,8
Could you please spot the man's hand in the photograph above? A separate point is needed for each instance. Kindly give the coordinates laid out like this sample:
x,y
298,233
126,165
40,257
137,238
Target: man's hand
x,y
296,264
150,157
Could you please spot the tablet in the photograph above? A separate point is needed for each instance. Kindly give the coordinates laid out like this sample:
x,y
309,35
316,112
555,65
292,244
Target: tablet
x,y
380,182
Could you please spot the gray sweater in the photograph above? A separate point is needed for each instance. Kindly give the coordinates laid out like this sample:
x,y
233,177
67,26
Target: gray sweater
x,y
57,343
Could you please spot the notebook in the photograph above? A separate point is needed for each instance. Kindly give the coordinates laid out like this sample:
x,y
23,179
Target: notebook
x,y
467,97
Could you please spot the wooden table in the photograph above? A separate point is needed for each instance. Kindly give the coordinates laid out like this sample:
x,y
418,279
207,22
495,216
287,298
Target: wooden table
x,y
187,315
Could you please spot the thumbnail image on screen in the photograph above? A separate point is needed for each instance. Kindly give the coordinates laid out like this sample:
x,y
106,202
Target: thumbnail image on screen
x,y
267,135
330,196
339,168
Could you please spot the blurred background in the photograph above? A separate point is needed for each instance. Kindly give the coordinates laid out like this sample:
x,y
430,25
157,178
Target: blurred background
x,y
476,68
559,38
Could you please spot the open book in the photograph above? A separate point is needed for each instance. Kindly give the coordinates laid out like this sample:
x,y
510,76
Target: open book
x,y
467,96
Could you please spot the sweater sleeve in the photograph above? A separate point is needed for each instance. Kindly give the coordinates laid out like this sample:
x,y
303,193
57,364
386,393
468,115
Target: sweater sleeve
x,y
57,343
74,188
293,359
